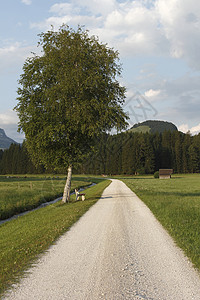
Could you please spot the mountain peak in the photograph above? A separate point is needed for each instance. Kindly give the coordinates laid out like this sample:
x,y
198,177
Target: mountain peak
x,y
2,133
5,141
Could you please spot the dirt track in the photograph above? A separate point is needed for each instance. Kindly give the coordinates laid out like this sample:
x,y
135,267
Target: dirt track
x,y
117,250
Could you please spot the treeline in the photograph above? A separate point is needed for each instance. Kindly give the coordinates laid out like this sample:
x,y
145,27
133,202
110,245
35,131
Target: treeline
x,y
124,153
15,160
144,153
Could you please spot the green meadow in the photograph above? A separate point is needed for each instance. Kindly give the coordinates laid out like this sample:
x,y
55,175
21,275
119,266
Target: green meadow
x,y
176,204
22,193
24,238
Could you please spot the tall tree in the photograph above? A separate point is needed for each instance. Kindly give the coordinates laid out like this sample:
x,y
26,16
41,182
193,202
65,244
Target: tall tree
x,y
156,142
68,95
185,146
149,154
166,150
178,151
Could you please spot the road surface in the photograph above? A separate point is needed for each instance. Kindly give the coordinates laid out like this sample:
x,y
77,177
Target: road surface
x,y
117,250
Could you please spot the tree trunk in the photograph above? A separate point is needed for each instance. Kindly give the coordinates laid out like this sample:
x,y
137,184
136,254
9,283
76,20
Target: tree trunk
x,y
66,194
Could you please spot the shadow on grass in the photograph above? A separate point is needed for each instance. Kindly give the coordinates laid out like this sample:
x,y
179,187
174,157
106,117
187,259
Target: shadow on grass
x,y
26,179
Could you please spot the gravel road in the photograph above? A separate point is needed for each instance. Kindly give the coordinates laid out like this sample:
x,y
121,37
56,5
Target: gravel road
x,y
117,250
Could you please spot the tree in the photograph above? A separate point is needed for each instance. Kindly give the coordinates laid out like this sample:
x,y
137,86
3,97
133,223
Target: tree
x,y
178,151
166,153
69,95
187,138
157,141
149,165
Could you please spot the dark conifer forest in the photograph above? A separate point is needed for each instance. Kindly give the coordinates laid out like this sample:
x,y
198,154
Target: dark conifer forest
x,y
144,153
16,160
125,153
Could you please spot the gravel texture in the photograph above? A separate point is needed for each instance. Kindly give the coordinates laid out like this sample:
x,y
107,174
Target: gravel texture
x,y
117,250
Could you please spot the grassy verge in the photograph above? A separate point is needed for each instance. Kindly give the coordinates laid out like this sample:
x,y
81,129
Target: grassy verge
x,y
23,239
176,204
22,193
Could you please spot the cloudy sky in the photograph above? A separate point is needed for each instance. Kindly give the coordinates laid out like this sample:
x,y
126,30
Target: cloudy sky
x,y
158,42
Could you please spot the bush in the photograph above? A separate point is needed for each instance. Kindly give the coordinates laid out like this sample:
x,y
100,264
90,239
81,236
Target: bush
x,y
156,174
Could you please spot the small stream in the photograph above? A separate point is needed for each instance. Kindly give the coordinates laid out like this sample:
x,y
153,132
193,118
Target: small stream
x,y
42,205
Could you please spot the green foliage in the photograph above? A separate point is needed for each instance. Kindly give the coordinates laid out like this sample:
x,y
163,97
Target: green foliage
x,y
176,204
24,238
15,160
156,174
154,126
20,194
69,95
130,153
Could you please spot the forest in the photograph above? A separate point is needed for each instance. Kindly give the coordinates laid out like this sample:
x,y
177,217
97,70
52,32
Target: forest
x,y
16,160
125,153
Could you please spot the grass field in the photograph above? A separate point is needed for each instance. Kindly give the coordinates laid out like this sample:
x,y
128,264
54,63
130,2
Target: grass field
x,y
176,204
19,194
23,239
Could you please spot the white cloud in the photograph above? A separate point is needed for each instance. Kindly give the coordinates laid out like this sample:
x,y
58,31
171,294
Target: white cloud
x,y
195,129
133,29
9,49
183,128
8,118
181,23
137,27
27,2
8,122
152,93
130,27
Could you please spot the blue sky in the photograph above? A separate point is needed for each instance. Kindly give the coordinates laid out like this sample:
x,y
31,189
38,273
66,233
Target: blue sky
x,y
158,42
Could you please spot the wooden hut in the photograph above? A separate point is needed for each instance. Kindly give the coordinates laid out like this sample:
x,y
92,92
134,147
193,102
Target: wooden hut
x,y
165,173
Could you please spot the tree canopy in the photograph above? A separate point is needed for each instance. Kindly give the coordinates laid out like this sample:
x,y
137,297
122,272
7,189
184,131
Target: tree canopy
x,y
68,95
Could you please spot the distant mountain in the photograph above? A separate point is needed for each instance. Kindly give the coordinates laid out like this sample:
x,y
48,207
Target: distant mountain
x,y
5,141
153,126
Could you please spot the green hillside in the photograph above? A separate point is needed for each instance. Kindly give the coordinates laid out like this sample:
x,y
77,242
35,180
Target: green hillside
x,y
142,129
153,126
